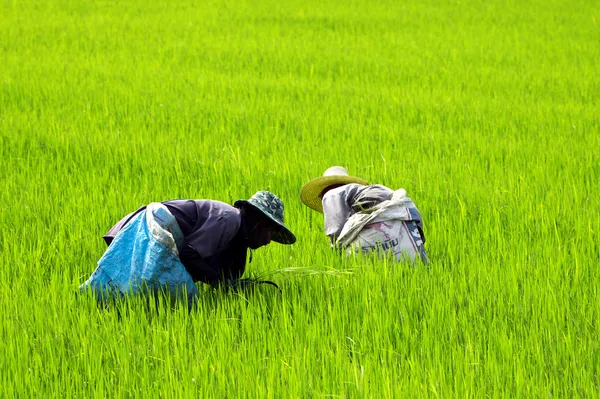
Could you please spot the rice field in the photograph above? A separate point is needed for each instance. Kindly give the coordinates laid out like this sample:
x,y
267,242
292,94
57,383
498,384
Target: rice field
x,y
487,113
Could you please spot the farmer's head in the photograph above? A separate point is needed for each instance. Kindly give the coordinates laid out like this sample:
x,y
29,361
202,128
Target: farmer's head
x,y
263,217
312,192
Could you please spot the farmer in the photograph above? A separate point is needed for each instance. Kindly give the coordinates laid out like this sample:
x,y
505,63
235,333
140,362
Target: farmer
x,y
177,243
363,217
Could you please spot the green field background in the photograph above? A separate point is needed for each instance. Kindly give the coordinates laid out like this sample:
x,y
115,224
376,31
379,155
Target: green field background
x,y
487,113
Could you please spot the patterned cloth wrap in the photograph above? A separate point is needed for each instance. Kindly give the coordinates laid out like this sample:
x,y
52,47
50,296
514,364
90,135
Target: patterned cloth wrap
x,y
390,226
143,257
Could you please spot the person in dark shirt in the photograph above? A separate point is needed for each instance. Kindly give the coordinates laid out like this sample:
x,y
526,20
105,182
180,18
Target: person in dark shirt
x,y
216,235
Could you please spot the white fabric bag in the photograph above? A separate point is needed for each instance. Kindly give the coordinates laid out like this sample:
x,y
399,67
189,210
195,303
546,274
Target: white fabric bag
x,y
390,227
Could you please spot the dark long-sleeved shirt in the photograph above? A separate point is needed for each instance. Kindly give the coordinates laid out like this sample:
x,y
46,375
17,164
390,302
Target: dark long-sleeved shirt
x,y
215,235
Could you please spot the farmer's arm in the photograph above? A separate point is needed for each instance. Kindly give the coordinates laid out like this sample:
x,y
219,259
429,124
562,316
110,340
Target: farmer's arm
x,y
222,269
337,209
198,267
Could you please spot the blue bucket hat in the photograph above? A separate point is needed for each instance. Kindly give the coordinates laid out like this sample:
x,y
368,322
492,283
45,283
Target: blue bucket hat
x,y
272,207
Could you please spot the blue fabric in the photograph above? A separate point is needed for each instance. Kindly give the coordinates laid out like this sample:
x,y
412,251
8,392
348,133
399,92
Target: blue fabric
x,y
136,261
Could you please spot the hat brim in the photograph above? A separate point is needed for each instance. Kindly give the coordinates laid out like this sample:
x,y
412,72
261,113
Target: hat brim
x,y
310,192
281,234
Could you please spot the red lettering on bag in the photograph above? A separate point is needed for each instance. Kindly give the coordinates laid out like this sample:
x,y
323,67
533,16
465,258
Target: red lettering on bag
x,y
379,227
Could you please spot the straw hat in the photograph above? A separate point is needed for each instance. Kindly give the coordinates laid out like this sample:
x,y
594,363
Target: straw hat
x,y
310,192
272,207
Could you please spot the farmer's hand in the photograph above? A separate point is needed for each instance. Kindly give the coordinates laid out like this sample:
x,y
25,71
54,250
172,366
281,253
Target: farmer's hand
x,y
246,283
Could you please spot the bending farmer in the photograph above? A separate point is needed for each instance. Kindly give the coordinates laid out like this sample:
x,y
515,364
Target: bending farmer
x,y
177,243
363,217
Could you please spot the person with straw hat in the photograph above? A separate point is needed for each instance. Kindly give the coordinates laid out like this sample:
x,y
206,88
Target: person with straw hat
x,y
359,216
177,243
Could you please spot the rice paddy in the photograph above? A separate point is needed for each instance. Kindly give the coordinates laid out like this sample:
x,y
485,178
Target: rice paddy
x,y
486,113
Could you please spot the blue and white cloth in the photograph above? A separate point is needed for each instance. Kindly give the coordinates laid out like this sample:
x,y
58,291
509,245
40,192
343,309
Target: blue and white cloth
x,y
143,257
